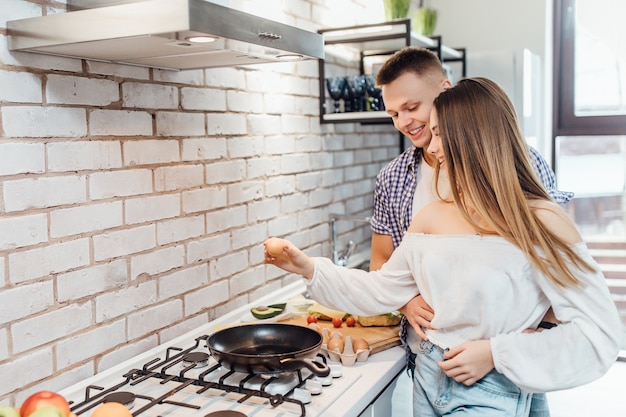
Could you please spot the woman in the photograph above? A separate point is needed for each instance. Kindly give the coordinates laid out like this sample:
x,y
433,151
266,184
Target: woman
x,y
490,261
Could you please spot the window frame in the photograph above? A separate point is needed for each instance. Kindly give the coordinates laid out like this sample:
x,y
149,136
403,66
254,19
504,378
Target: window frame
x,y
565,122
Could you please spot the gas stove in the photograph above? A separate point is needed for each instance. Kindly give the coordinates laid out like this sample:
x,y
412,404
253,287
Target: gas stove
x,y
186,381
178,378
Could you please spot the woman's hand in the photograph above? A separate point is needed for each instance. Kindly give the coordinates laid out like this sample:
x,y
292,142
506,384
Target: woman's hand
x,y
291,259
469,362
419,314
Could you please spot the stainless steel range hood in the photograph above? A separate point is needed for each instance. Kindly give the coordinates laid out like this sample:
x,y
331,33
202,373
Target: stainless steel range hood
x,y
157,33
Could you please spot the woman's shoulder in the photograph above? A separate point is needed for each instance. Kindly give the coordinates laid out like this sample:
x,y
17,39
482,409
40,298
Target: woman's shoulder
x,y
552,216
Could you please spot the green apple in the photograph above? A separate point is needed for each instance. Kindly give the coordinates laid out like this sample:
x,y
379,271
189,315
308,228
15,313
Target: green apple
x,y
8,411
47,411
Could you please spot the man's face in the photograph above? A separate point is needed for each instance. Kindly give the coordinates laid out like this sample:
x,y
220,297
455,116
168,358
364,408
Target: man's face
x,y
409,99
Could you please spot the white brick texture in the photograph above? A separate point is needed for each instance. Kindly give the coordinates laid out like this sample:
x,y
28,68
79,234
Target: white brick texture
x,y
16,232
112,305
125,183
123,242
61,89
20,87
156,317
45,260
22,158
91,280
43,122
83,155
50,326
134,201
120,123
44,192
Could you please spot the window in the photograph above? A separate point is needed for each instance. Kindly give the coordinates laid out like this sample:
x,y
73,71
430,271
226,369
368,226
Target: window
x,y
590,67
589,146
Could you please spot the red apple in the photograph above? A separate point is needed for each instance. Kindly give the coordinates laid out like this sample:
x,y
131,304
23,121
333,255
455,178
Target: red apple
x,y
42,399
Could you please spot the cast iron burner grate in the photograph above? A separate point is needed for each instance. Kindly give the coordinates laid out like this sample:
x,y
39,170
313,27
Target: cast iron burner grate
x,y
164,372
123,397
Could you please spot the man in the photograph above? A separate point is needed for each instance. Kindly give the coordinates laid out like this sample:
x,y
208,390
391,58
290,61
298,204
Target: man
x,y
411,80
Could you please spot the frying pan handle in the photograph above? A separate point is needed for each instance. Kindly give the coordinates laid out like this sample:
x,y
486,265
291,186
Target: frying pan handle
x,y
293,364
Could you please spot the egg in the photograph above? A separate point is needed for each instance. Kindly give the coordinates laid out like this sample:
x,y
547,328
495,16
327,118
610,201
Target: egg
x,y
325,336
335,343
315,327
336,334
274,246
360,344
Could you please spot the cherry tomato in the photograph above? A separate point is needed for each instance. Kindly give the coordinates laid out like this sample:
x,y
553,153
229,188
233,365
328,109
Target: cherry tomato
x,y
311,319
337,322
44,398
350,322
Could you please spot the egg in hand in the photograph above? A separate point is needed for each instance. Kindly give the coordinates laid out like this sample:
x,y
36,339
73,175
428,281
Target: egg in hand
x,y
274,246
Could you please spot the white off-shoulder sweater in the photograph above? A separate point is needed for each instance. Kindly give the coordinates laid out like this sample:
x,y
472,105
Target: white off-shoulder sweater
x,y
483,287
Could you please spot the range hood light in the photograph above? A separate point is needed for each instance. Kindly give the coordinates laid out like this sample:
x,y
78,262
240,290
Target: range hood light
x,y
201,39
289,57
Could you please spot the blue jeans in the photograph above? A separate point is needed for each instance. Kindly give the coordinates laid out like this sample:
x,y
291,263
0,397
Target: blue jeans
x,y
435,394
539,406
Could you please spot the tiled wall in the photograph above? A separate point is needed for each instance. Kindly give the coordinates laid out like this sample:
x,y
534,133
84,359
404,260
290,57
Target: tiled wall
x,y
134,201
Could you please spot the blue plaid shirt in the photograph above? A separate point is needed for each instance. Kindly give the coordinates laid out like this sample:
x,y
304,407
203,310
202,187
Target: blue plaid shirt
x,y
395,186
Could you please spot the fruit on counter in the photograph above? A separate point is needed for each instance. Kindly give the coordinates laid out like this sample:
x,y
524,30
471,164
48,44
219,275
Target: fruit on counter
x,y
111,409
350,321
47,411
267,312
8,411
43,399
325,313
311,319
274,246
389,319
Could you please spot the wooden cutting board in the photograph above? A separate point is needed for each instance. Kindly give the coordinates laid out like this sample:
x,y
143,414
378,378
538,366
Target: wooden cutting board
x,y
379,338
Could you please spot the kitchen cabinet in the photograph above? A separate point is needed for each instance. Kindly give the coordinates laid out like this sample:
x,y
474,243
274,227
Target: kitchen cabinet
x,y
382,405
361,50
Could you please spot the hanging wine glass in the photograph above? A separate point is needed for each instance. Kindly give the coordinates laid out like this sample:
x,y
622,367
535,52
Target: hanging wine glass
x,y
335,87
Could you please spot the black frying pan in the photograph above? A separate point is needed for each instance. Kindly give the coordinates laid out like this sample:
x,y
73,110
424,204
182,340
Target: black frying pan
x,y
269,348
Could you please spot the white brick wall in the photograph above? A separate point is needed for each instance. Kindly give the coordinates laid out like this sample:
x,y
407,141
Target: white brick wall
x,y
134,201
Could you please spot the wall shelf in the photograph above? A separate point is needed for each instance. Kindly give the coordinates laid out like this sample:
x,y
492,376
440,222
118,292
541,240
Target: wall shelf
x,y
369,43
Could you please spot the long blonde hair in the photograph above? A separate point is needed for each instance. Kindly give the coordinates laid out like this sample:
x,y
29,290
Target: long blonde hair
x,y
489,170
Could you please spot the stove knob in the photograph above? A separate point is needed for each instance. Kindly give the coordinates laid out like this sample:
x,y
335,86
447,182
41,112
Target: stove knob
x,y
325,380
313,386
335,370
302,395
